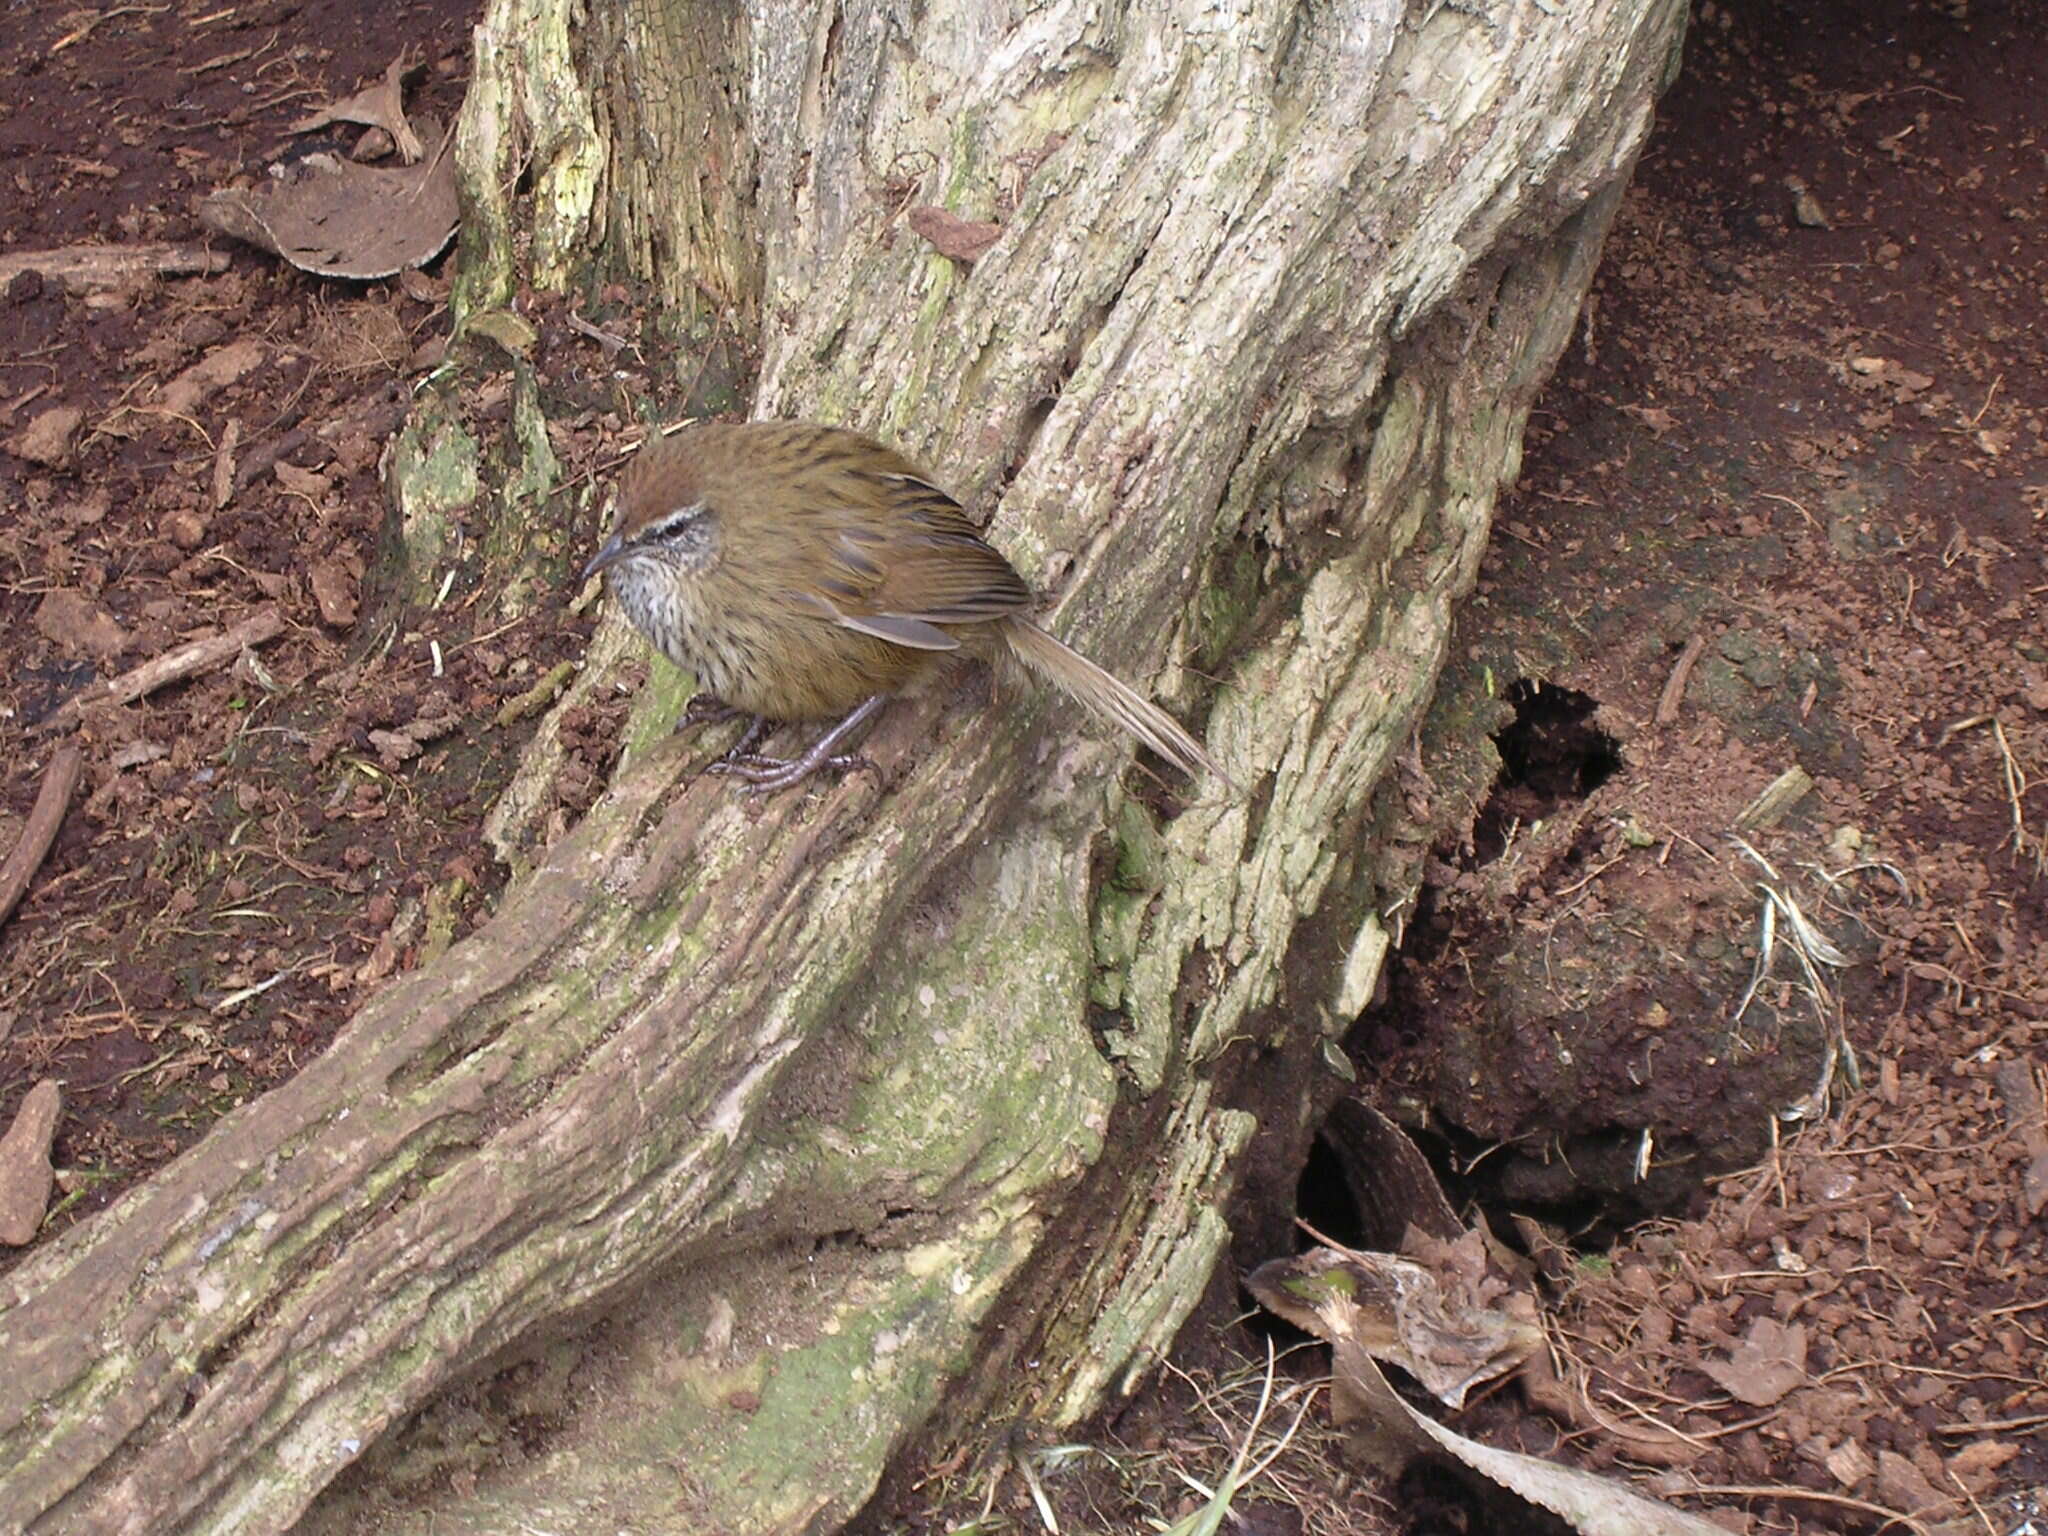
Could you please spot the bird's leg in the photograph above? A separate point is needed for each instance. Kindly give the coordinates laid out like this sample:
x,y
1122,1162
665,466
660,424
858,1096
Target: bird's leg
x,y
705,709
709,709
766,774
750,738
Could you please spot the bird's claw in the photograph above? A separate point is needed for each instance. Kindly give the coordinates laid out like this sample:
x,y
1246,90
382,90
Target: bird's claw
x,y
708,709
761,775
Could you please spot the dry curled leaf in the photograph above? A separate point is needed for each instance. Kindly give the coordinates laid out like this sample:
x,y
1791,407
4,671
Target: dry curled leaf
x,y
378,106
950,235
1400,1311
339,219
1768,1363
1382,1421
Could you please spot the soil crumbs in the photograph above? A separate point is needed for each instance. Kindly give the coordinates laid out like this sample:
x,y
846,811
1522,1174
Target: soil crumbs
x,y
252,851
1801,447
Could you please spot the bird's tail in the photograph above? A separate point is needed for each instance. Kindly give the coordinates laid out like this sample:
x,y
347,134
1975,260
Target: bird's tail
x,y
1108,697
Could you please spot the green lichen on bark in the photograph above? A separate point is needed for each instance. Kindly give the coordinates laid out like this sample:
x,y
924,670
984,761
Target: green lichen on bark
x,y
435,476
526,123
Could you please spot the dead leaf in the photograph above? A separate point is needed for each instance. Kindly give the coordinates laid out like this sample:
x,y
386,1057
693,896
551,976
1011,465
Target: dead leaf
x,y
1849,1464
1397,1311
339,219
1592,1504
1904,1486
1388,1178
394,747
301,482
1767,1364
423,289
378,106
950,235
1655,417
334,589
1982,1456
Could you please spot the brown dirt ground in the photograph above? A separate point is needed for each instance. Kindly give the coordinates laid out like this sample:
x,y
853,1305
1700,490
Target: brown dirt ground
x,y
1811,430
242,829
1806,421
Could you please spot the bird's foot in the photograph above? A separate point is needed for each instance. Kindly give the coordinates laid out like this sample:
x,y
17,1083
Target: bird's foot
x,y
705,709
764,775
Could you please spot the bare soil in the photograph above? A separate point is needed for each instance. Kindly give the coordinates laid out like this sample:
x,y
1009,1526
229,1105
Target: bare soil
x,y
1805,428
243,830
1799,446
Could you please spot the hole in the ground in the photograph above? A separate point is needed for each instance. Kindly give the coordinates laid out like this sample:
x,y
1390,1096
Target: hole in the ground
x,y
1323,1199
1438,1500
1352,1190
1551,754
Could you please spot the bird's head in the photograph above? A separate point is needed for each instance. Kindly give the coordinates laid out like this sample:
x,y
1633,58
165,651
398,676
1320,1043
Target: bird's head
x,y
664,514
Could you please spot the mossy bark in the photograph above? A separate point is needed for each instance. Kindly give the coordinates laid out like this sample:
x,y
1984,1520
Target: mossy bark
x,y
932,1086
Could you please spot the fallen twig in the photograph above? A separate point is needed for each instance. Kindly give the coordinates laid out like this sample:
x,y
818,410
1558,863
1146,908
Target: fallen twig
x,y
81,33
52,801
1891,1517
2014,777
2015,788
113,266
172,666
224,463
1674,686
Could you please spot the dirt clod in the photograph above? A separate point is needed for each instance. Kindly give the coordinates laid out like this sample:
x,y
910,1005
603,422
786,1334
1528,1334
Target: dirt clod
x,y
48,437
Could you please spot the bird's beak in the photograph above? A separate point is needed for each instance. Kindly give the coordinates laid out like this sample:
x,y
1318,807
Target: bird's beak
x,y
608,554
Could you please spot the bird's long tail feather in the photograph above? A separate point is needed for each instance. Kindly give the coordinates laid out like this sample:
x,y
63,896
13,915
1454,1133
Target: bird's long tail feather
x,y
1108,697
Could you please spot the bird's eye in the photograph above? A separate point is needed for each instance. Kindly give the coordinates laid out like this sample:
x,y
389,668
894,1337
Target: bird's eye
x,y
670,524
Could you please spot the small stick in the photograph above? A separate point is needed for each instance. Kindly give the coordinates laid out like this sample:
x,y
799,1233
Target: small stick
x,y
113,266
1681,673
52,801
1782,1491
2016,787
224,463
172,666
1989,396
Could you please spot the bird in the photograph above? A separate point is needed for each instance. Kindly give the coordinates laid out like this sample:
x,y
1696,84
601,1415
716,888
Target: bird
x,y
808,573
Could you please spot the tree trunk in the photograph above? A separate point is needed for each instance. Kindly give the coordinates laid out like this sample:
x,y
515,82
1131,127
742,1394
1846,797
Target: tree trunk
x,y
933,1083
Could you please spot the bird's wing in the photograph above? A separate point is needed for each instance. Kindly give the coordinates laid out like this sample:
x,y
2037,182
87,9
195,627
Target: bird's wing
x,y
900,577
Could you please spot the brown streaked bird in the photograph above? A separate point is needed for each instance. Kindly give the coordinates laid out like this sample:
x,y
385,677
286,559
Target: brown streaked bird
x,y
808,573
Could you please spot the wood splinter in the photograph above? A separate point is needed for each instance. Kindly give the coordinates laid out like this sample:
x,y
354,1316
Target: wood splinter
x,y
60,780
187,660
